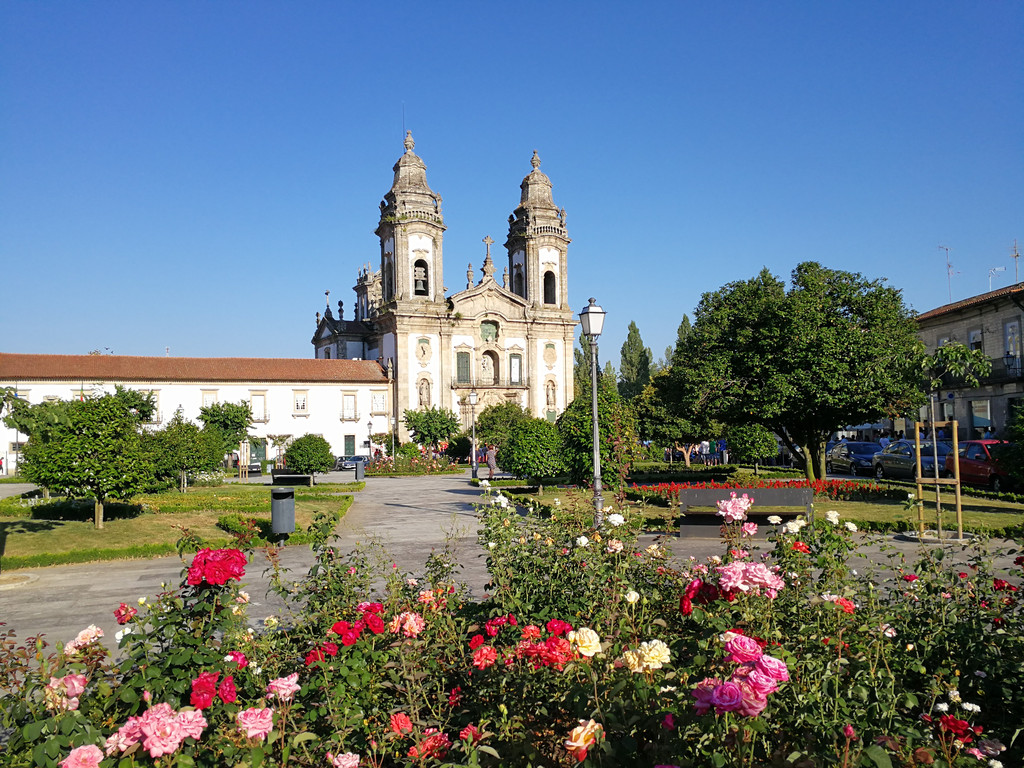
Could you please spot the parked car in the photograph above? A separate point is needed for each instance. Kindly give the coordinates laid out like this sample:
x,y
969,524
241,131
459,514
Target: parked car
x,y
979,464
898,460
851,458
349,462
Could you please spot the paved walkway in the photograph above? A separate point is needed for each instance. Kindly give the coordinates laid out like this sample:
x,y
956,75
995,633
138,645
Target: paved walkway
x,y
409,516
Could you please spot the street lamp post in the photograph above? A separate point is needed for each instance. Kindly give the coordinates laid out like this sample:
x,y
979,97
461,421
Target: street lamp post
x,y
369,440
472,410
394,426
592,320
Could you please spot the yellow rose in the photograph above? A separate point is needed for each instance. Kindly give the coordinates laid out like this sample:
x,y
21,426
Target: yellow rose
x,y
654,654
586,641
582,738
633,661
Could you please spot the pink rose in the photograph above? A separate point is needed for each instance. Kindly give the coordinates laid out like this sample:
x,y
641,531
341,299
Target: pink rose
x,y
192,723
284,688
239,658
226,690
752,702
749,529
256,723
702,693
160,728
126,737
760,682
88,756
742,649
347,760
726,697
774,668
216,566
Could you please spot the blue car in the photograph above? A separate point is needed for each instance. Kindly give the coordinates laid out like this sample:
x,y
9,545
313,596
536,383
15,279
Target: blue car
x,y
851,458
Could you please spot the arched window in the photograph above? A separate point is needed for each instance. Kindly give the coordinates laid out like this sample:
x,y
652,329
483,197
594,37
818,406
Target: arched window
x,y
420,278
549,288
489,369
327,353
519,282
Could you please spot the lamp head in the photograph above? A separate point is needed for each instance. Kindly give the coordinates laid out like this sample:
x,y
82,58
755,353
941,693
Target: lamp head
x,y
592,319
472,397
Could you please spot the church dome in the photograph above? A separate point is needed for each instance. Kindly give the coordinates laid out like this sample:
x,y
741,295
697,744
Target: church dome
x,y
536,187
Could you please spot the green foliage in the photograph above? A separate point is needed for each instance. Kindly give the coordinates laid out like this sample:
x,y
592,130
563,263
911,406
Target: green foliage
x,y
835,349
955,363
182,448
310,454
35,419
751,443
409,451
533,449
459,447
634,365
660,421
581,367
432,426
495,423
616,429
231,419
141,404
97,453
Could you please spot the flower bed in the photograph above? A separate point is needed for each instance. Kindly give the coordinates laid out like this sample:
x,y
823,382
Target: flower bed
x,y
837,490
588,650
416,465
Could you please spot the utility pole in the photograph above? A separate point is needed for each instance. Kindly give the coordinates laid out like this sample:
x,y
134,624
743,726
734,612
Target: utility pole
x,y
949,271
1016,262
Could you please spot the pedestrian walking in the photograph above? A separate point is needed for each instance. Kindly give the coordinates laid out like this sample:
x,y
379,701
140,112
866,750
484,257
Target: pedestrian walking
x,y
492,461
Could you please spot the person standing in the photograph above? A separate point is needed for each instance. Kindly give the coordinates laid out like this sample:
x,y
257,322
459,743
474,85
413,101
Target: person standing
x,y
492,461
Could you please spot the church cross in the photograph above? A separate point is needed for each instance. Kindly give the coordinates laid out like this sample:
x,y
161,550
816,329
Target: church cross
x,y
488,242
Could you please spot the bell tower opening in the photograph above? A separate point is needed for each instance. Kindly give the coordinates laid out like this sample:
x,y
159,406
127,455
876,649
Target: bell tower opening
x,y
421,278
550,288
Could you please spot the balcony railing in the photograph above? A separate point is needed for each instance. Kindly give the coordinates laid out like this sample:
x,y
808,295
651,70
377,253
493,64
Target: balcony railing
x,y
261,418
348,415
521,383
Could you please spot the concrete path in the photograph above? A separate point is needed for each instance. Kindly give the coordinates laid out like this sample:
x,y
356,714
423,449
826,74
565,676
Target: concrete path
x,y
408,516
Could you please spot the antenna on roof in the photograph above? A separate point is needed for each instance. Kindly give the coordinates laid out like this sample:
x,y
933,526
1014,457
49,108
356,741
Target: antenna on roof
x,y
949,271
1016,262
167,351
992,272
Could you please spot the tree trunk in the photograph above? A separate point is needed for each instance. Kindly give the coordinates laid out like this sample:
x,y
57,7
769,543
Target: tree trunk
x,y
98,513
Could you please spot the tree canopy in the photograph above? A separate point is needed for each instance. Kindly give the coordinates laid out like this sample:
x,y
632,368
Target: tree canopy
x,y
634,364
432,426
181,449
494,424
533,449
309,454
95,451
834,349
232,419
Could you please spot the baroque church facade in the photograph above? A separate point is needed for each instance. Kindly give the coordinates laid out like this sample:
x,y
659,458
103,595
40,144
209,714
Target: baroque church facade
x,y
508,338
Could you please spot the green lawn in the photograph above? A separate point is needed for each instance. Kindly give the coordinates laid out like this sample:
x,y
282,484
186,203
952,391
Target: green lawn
x,y
150,525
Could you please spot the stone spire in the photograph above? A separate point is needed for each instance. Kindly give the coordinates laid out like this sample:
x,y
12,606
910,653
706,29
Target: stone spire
x,y
536,187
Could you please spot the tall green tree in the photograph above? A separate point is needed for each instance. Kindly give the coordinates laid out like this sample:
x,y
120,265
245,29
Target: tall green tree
x,y
581,367
94,452
532,449
616,429
494,424
181,449
432,426
834,349
233,420
682,334
634,364
660,421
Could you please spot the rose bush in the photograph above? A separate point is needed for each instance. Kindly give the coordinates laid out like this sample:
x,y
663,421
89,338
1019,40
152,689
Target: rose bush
x,y
588,648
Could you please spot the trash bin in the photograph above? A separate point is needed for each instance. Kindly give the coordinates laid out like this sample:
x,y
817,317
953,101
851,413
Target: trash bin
x,y
360,470
282,511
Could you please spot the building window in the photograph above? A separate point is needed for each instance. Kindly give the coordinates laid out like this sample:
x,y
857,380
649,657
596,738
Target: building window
x,y
942,341
327,353
489,330
300,402
209,397
348,407
1011,337
518,281
379,403
258,404
515,369
420,278
975,339
463,370
550,288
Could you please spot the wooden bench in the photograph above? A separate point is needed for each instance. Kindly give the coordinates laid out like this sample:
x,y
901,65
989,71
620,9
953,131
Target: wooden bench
x,y
289,477
766,502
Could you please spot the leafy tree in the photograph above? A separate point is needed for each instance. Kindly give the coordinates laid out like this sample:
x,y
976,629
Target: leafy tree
x,y
682,333
634,365
834,349
141,404
432,426
309,454
96,452
231,419
533,449
459,447
616,427
751,443
494,424
181,448
660,422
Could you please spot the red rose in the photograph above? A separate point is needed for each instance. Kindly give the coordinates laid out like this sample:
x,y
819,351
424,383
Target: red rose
x,y
204,688
475,642
227,691
374,622
216,566
124,613
909,577
799,546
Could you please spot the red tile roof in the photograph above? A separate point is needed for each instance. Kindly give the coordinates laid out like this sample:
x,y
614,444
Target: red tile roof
x,y
981,298
119,368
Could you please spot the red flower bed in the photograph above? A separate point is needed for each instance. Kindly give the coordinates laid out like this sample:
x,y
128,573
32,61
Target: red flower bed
x,y
837,490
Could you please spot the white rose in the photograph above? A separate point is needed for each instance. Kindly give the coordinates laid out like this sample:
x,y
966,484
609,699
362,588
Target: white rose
x,y
582,541
851,527
774,519
616,520
632,596
832,516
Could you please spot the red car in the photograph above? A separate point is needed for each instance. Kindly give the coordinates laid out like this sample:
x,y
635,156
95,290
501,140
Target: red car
x,y
978,466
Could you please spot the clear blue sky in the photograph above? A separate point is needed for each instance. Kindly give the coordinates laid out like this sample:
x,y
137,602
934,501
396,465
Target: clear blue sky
x,y
194,175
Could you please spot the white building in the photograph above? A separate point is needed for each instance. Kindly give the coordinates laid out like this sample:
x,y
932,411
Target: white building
x,y
345,401
508,338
